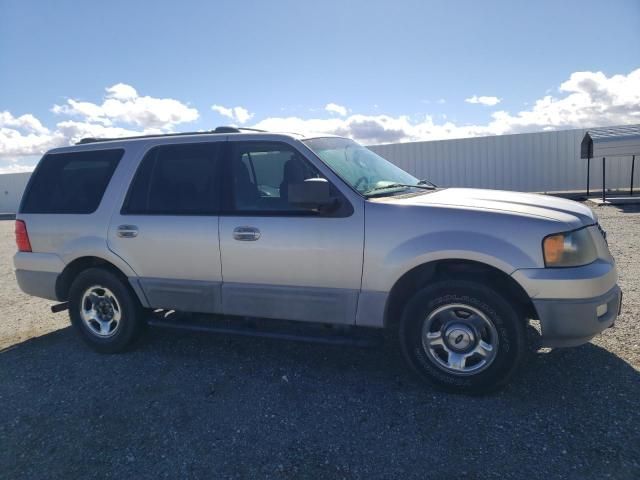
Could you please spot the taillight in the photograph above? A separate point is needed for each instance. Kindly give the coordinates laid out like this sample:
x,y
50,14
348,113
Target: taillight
x,y
22,237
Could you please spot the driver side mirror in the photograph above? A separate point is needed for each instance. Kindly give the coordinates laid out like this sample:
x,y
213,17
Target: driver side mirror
x,y
312,194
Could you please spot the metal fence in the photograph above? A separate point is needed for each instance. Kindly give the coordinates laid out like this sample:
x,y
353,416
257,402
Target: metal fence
x,y
529,162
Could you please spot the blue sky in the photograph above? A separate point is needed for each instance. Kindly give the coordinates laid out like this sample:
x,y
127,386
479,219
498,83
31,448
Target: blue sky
x,y
399,70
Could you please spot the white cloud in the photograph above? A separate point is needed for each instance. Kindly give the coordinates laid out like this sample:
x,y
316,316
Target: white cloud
x,y
24,135
26,122
335,108
588,99
591,99
122,91
16,168
224,111
122,104
585,99
73,131
237,114
483,100
367,128
123,112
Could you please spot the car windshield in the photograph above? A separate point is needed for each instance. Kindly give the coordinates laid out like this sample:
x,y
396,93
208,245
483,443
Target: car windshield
x,y
361,168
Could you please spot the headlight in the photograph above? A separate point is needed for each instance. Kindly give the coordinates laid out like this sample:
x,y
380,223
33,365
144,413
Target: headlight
x,y
569,249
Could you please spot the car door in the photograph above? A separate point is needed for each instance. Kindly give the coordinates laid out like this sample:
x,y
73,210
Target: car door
x,y
167,229
279,261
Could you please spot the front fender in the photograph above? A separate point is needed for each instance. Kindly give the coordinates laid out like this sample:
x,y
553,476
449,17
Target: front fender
x,y
443,245
380,273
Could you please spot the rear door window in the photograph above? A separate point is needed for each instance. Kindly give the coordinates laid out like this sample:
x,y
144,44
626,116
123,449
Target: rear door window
x,y
70,182
176,180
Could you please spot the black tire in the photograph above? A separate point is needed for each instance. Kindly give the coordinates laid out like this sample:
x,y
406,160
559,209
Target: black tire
x,y
130,313
508,334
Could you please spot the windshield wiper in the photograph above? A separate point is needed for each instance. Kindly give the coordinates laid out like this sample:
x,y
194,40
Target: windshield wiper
x,y
424,181
400,185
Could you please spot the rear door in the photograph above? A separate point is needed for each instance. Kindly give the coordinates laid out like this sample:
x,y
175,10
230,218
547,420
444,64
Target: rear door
x,y
167,228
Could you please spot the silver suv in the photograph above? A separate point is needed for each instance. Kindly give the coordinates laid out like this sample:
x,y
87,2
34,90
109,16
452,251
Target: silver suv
x,y
253,225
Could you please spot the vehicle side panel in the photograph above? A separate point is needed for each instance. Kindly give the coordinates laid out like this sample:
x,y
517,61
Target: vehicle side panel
x,y
397,239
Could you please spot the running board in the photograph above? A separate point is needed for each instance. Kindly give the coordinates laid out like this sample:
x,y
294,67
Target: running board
x,y
238,327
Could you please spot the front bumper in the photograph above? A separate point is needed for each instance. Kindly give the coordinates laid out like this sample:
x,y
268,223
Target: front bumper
x,y
568,323
573,304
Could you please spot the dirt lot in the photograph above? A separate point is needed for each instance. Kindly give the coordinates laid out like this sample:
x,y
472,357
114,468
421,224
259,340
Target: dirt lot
x,y
200,406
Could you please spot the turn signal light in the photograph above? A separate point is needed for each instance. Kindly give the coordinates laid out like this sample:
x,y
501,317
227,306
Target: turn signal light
x,y
22,237
553,248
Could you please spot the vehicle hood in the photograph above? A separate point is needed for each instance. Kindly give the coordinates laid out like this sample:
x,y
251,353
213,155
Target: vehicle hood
x,y
572,213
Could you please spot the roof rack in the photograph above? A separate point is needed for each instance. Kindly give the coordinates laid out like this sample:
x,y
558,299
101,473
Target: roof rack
x,y
222,129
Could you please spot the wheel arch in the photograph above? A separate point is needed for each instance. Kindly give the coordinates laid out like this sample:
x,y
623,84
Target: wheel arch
x,y
80,264
462,269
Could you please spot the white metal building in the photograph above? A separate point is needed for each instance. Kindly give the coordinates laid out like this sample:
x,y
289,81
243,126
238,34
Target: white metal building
x,y
11,188
530,162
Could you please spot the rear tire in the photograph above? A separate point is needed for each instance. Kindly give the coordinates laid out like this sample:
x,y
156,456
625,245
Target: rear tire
x,y
463,336
104,310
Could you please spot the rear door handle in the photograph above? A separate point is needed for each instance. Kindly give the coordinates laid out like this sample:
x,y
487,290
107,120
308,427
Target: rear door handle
x,y
246,234
127,231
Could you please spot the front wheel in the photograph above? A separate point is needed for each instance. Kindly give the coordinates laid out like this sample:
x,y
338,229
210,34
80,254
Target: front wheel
x,y
104,310
462,336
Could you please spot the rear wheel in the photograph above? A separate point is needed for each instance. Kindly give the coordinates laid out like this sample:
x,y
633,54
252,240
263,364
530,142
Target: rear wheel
x,y
104,310
462,336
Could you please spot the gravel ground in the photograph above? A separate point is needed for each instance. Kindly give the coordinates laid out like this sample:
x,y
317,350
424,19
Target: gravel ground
x,y
201,406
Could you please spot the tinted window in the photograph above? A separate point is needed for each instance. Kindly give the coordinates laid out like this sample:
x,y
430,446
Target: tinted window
x,y
262,173
70,182
176,180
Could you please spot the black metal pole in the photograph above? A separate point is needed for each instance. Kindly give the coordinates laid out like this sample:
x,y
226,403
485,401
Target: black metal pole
x,y
588,171
604,183
633,164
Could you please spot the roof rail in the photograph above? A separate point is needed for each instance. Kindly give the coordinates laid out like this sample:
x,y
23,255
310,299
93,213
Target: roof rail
x,y
252,129
225,129
222,129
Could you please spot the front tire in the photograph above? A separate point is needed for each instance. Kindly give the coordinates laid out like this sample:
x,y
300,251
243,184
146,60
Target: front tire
x,y
462,336
104,310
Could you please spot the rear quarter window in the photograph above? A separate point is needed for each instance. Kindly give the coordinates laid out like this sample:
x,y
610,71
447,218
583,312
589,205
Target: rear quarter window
x,y
70,182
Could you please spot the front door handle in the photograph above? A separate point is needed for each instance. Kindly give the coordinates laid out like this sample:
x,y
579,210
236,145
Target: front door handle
x,y
246,234
127,231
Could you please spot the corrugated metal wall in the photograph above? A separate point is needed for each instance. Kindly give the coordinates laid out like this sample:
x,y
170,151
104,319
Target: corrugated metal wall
x,y
11,187
530,162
